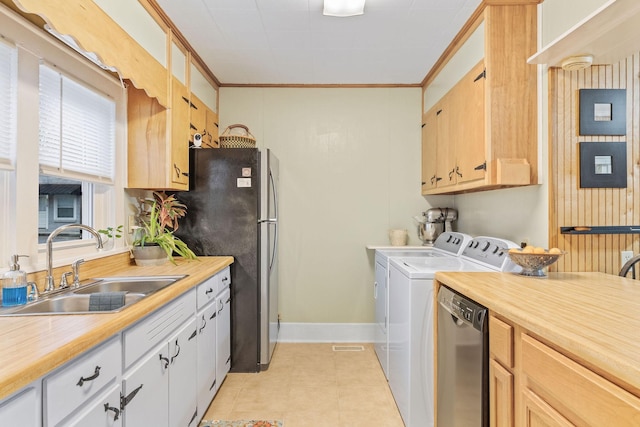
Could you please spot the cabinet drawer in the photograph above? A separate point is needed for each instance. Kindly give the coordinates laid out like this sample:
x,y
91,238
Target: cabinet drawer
x,y
224,279
77,382
585,397
157,326
501,341
210,288
207,291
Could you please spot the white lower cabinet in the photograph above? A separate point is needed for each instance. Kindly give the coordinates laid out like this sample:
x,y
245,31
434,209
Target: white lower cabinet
x,y
73,387
22,408
145,390
163,371
160,391
104,411
182,376
206,382
223,336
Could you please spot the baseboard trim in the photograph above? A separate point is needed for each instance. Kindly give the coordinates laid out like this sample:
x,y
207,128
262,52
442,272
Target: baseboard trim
x,y
327,332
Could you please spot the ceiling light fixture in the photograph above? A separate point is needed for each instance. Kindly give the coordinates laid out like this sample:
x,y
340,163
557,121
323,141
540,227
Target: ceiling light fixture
x,y
343,8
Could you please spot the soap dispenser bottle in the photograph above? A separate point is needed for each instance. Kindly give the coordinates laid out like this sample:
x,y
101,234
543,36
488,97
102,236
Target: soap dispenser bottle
x,y
14,284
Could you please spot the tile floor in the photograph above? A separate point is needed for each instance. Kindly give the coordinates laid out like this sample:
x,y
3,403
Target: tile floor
x,y
309,385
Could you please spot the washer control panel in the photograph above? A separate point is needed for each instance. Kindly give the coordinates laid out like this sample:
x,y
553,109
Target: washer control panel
x,y
491,251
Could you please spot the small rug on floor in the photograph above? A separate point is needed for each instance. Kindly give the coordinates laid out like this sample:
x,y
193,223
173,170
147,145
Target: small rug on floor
x,y
241,423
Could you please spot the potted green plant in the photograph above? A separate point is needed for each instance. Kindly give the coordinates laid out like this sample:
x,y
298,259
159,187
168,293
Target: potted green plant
x,y
154,242
110,234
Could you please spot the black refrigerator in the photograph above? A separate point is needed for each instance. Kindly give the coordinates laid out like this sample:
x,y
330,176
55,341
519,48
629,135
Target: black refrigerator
x,y
232,209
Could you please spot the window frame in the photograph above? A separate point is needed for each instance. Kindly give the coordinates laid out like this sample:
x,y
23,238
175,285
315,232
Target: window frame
x,y
22,183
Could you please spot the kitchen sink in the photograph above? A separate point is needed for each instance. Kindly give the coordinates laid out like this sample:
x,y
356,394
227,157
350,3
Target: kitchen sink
x,y
77,301
141,285
70,304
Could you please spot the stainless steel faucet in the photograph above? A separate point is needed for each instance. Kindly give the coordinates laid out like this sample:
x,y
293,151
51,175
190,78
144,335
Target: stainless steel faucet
x,y
49,281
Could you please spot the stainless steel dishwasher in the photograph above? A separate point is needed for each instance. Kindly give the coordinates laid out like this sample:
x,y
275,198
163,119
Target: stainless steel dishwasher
x,y
462,362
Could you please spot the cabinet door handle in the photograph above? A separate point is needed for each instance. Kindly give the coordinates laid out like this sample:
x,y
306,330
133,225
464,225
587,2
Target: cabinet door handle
x,y
204,324
177,169
192,126
458,172
178,352
221,305
228,360
451,172
213,316
165,360
95,375
212,385
208,291
124,401
193,335
111,408
185,100
193,417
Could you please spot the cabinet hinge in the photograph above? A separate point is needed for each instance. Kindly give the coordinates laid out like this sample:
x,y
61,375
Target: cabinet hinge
x,y
483,166
482,75
124,401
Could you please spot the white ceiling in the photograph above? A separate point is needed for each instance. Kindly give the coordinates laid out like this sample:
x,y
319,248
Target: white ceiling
x,y
291,42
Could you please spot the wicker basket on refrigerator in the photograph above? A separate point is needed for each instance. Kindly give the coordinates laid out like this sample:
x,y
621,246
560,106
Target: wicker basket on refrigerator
x,y
237,136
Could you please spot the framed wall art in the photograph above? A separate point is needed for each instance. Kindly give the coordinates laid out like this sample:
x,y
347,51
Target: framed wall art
x,y
603,112
603,165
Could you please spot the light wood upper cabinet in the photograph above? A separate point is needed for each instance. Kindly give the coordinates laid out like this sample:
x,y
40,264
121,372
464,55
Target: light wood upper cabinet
x,y
158,140
198,117
211,130
180,135
492,115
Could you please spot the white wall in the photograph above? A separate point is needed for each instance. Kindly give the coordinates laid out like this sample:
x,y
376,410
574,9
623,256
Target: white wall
x,y
349,171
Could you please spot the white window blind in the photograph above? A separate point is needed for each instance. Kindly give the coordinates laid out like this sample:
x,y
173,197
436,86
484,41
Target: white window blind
x,y
8,80
77,129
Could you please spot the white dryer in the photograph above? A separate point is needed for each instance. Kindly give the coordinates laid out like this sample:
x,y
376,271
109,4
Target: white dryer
x,y
448,244
411,321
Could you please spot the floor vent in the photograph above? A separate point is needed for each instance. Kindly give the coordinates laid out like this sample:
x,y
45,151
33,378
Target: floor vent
x,y
348,348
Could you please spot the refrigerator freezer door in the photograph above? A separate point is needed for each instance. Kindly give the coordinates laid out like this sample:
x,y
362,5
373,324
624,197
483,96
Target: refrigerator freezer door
x,y
269,321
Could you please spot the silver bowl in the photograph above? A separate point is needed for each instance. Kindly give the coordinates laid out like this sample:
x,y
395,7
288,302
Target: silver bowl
x,y
532,264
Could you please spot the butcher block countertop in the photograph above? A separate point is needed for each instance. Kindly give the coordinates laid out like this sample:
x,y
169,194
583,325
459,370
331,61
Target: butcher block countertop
x,y
32,346
593,316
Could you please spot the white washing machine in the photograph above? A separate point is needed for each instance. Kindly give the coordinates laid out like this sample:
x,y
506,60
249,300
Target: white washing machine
x,y
448,244
411,321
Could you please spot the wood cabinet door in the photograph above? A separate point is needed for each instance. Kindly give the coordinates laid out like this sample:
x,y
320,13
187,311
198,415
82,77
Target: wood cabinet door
x,y
445,150
179,166
429,149
501,395
183,376
537,413
470,124
211,130
197,117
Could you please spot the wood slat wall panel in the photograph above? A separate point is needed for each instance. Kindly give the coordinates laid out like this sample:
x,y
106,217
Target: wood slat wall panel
x,y
571,205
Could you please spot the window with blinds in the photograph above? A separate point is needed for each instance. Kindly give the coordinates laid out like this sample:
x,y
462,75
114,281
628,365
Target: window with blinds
x,y
77,129
8,80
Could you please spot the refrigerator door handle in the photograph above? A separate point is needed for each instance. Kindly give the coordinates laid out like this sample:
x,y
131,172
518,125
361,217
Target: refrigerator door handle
x,y
269,220
275,246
